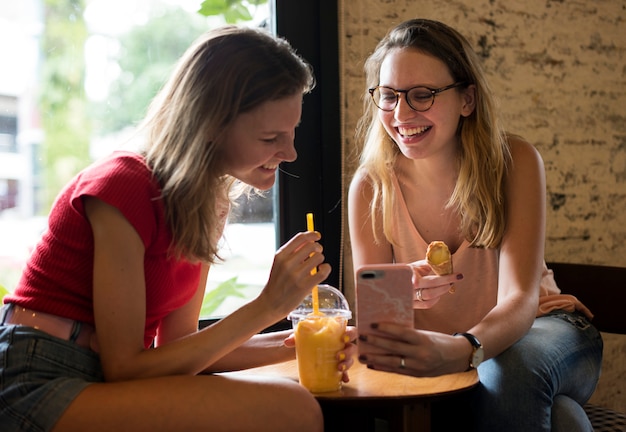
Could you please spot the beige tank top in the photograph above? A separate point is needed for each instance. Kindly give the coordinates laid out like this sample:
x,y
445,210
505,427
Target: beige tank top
x,y
476,293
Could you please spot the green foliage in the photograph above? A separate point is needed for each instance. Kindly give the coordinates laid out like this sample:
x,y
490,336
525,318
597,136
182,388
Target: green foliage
x,y
62,101
214,298
233,11
10,274
146,57
148,53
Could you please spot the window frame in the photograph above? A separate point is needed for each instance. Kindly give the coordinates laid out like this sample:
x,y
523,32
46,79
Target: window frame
x,y
313,183
311,26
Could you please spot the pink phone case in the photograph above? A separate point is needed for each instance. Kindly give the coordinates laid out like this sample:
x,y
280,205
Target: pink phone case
x,y
384,293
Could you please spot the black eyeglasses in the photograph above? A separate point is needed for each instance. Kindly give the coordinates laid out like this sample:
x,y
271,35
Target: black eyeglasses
x,y
419,98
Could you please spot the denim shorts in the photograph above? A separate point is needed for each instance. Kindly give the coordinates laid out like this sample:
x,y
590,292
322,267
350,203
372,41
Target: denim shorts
x,y
40,375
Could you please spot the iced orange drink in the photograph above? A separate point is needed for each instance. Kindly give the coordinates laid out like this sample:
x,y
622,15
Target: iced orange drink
x,y
319,334
318,340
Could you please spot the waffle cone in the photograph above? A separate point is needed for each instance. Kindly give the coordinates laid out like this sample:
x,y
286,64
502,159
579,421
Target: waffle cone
x,y
439,258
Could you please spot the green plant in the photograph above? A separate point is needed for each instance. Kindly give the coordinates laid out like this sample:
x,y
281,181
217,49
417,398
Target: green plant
x,y
214,298
146,56
62,100
3,292
233,11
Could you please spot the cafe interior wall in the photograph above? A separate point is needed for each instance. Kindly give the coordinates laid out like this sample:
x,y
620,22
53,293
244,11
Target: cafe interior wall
x,y
558,68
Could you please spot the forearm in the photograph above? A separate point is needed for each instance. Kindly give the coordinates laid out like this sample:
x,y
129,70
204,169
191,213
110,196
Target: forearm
x,y
260,350
505,324
229,343
189,352
196,352
521,254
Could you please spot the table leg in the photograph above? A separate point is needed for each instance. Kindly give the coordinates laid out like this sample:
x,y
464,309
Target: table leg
x,y
416,417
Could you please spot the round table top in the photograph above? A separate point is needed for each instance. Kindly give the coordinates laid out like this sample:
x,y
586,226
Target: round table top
x,y
371,384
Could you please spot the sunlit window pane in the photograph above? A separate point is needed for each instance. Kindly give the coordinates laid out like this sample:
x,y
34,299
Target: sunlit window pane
x,y
108,74
248,250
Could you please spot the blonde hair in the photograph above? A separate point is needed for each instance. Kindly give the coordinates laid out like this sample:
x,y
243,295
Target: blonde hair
x,y
226,72
484,156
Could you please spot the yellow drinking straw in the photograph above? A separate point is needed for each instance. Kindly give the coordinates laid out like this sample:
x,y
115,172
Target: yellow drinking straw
x,y
314,293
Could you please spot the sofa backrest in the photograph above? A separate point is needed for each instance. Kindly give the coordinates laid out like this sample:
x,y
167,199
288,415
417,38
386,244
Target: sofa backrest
x,y
601,288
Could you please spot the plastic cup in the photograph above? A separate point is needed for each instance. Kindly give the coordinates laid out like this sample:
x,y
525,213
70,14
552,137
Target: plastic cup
x,y
319,338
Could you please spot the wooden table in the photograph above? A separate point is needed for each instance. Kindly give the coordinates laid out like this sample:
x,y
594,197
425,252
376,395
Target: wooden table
x,y
379,401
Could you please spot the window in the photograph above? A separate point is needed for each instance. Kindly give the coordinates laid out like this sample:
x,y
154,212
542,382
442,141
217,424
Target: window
x,y
8,124
311,27
127,48
10,170
313,182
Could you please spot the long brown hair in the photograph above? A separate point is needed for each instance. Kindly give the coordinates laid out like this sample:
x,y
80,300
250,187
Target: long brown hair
x,y
478,196
226,72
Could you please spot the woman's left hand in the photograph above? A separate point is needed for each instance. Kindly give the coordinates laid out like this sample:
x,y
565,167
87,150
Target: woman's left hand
x,y
345,357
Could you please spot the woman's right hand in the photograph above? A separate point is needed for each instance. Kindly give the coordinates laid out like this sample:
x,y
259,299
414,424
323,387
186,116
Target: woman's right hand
x,y
298,266
425,353
429,287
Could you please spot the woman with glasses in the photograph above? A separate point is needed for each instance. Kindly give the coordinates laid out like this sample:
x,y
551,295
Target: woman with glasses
x,y
436,165
101,333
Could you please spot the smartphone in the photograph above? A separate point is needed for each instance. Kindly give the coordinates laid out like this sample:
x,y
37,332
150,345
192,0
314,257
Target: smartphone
x,y
384,293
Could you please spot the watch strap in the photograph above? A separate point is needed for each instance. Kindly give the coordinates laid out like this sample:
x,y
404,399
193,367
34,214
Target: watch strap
x,y
471,338
477,348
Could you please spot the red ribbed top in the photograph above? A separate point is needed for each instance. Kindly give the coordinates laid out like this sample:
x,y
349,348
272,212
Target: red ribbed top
x,y
58,275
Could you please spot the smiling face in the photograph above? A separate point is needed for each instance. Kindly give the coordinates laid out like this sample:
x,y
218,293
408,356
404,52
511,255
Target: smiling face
x,y
259,140
420,134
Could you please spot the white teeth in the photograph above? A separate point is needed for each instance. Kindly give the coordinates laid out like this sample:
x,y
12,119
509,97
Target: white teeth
x,y
413,131
270,167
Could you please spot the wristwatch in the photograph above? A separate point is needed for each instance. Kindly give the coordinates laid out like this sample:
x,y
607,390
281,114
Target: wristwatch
x,y
478,354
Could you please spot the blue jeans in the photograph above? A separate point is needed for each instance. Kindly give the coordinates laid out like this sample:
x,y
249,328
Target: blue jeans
x,y
541,382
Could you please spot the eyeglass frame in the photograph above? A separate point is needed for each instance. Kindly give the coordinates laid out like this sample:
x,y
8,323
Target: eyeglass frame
x,y
434,92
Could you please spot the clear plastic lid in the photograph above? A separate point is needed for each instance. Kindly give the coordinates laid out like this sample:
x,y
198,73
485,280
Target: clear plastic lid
x,y
331,303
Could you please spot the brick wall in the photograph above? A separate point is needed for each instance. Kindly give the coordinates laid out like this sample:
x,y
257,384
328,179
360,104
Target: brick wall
x,y
559,70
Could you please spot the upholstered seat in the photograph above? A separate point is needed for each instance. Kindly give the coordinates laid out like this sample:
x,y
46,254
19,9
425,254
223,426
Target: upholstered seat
x,y
603,290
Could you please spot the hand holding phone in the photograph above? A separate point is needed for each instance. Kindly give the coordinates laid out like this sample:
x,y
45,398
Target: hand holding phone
x,y
384,293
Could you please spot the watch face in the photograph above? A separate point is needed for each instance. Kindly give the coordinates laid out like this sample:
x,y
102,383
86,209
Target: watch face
x,y
478,354
477,357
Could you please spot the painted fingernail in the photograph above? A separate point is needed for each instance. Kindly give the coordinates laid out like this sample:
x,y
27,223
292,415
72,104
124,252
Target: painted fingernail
x,y
459,276
363,338
346,338
452,289
363,358
343,368
342,357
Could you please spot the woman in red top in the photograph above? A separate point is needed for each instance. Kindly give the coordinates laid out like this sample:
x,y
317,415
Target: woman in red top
x,y
101,332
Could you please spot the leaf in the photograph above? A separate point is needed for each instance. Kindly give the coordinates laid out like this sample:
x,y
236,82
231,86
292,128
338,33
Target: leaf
x,y
233,11
213,7
214,298
237,12
3,292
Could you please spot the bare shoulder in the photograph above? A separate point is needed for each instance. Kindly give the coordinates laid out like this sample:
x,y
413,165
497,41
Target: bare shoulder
x,y
361,182
523,152
360,176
